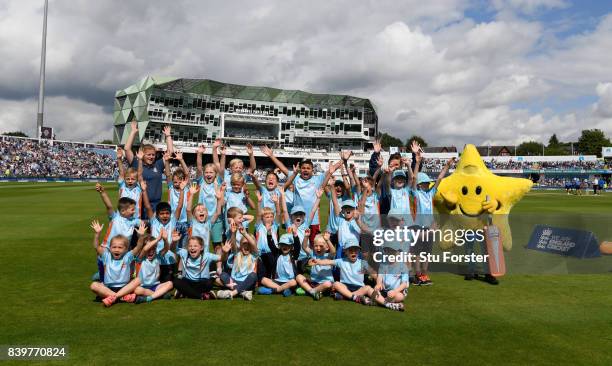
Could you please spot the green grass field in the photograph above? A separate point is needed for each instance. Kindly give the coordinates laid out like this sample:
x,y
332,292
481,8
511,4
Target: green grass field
x,y
47,261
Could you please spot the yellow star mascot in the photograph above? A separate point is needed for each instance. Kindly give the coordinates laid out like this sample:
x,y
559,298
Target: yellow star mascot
x,y
472,190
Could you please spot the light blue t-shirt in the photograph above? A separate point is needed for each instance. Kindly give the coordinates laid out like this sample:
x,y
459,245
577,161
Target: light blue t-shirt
x,y
261,235
266,201
201,229
301,233
424,206
156,227
393,275
207,196
284,268
350,273
347,230
173,198
134,193
236,199
149,271
333,219
120,225
117,271
289,199
307,190
242,266
196,269
371,213
400,199
320,273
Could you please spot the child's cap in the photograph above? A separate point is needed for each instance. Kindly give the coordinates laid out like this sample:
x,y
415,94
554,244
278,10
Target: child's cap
x,y
298,209
399,174
286,239
423,178
351,243
395,213
348,203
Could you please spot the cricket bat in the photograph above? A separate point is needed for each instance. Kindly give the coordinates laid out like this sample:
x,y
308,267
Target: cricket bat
x,y
495,249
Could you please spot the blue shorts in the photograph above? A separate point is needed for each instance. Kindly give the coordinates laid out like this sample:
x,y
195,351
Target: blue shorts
x,y
152,288
352,288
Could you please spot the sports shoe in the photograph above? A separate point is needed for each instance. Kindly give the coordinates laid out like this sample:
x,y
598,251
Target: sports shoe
x,y
224,294
206,296
362,300
109,300
247,295
167,295
300,292
140,299
469,277
287,292
317,295
338,296
417,281
264,291
397,306
129,298
491,280
425,280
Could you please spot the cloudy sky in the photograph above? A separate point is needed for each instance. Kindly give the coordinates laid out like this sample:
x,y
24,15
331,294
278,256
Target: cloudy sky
x,y
451,71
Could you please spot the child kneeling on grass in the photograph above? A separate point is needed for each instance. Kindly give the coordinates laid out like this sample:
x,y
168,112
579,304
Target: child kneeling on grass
x,y
117,263
150,287
321,277
283,276
243,277
352,269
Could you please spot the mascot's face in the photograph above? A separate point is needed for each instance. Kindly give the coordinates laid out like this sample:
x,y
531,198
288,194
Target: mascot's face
x,y
473,190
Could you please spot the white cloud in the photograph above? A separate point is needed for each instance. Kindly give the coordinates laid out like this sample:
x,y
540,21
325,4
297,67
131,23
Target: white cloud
x,y
430,70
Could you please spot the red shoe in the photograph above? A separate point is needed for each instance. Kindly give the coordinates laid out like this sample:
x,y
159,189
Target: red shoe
x,y
109,300
129,298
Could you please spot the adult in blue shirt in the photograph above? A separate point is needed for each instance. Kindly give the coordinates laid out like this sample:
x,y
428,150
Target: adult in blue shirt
x,y
152,168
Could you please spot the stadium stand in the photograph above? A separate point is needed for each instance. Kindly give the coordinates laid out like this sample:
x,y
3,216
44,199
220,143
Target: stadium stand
x,y
33,158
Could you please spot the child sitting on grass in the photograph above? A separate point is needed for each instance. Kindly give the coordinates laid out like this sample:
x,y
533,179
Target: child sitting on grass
x,y
150,287
117,263
243,277
352,269
195,261
283,276
321,277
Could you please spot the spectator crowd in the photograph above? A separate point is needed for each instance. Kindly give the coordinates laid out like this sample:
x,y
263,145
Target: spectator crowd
x,y
31,158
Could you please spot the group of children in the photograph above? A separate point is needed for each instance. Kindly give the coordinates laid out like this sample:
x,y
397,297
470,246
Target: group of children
x,y
203,238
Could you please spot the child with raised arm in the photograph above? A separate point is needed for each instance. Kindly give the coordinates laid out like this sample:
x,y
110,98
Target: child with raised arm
x,y
243,277
268,190
208,180
235,165
283,280
423,194
195,282
123,220
128,181
117,263
176,190
321,277
341,190
351,285
201,221
266,234
164,218
150,287
152,168
305,185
